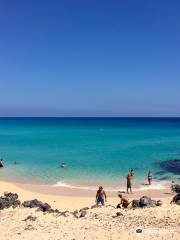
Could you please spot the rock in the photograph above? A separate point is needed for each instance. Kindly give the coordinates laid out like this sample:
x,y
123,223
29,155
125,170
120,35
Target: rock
x,y
66,214
56,211
159,203
176,198
83,213
76,214
12,196
152,203
44,207
118,214
85,208
9,200
139,230
96,206
29,227
135,204
30,218
144,201
32,203
177,188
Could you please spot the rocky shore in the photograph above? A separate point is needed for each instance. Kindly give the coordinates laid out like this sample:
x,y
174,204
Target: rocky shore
x,y
33,219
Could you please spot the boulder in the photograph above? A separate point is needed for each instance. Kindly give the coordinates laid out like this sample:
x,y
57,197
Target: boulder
x,y
135,204
159,203
83,213
9,200
144,201
153,203
177,188
44,207
176,198
66,214
118,214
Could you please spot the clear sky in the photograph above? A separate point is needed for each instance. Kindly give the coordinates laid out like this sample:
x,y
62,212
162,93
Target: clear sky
x,y
90,58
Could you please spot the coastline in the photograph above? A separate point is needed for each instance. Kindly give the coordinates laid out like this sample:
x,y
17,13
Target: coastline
x,y
99,223
63,197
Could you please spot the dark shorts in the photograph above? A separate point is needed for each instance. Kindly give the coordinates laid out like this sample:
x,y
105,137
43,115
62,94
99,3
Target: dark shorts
x,y
100,200
128,185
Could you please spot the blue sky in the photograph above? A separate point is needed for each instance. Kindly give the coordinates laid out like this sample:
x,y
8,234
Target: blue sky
x,y
89,58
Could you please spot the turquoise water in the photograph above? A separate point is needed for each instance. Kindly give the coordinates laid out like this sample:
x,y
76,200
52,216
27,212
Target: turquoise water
x,y
95,150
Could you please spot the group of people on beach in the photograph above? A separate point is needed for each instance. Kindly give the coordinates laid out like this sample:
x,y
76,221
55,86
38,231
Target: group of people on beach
x,y
101,196
131,175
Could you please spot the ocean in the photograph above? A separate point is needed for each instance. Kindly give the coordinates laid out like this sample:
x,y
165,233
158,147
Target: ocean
x,y
96,151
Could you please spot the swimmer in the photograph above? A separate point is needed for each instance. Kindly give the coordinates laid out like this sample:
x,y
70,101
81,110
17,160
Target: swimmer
x,y
1,163
62,165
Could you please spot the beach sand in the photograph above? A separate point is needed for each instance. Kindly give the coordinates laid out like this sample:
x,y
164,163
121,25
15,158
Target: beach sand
x,y
99,223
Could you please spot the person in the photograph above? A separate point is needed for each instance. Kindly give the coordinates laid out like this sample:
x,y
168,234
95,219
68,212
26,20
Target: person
x,y
124,202
150,177
62,165
129,178
101,196
1,163
132,173
173,187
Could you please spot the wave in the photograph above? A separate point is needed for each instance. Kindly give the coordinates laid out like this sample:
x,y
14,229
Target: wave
x,y
154,186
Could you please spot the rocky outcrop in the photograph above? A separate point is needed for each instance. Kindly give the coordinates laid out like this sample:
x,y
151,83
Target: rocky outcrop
x,y
176,199
44,207
146,202
9,200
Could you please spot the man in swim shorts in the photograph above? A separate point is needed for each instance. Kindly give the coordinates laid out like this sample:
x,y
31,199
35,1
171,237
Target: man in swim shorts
x,y
101,196
129,178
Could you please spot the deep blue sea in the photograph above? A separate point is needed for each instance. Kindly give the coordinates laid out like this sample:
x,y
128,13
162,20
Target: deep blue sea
x,y
96,151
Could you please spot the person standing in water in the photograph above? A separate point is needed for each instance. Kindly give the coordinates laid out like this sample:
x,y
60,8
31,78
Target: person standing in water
x,y
150,176
129,185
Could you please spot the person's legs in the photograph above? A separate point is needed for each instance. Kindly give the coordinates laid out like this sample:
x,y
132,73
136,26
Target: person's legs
x,y
100,200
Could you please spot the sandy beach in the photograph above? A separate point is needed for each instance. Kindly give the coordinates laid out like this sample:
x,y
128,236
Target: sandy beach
x,y
99,223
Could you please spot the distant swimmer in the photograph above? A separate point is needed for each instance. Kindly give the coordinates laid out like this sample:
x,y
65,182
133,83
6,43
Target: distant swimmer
x,y
62,165
1,163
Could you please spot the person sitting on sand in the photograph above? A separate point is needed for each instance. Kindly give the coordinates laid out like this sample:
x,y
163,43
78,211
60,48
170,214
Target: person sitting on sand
x,y
101,196
173,187
129,178
124,202
1,163
150,177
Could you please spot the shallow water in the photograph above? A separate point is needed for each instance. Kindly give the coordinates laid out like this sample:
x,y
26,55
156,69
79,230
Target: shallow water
x,y
96,151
